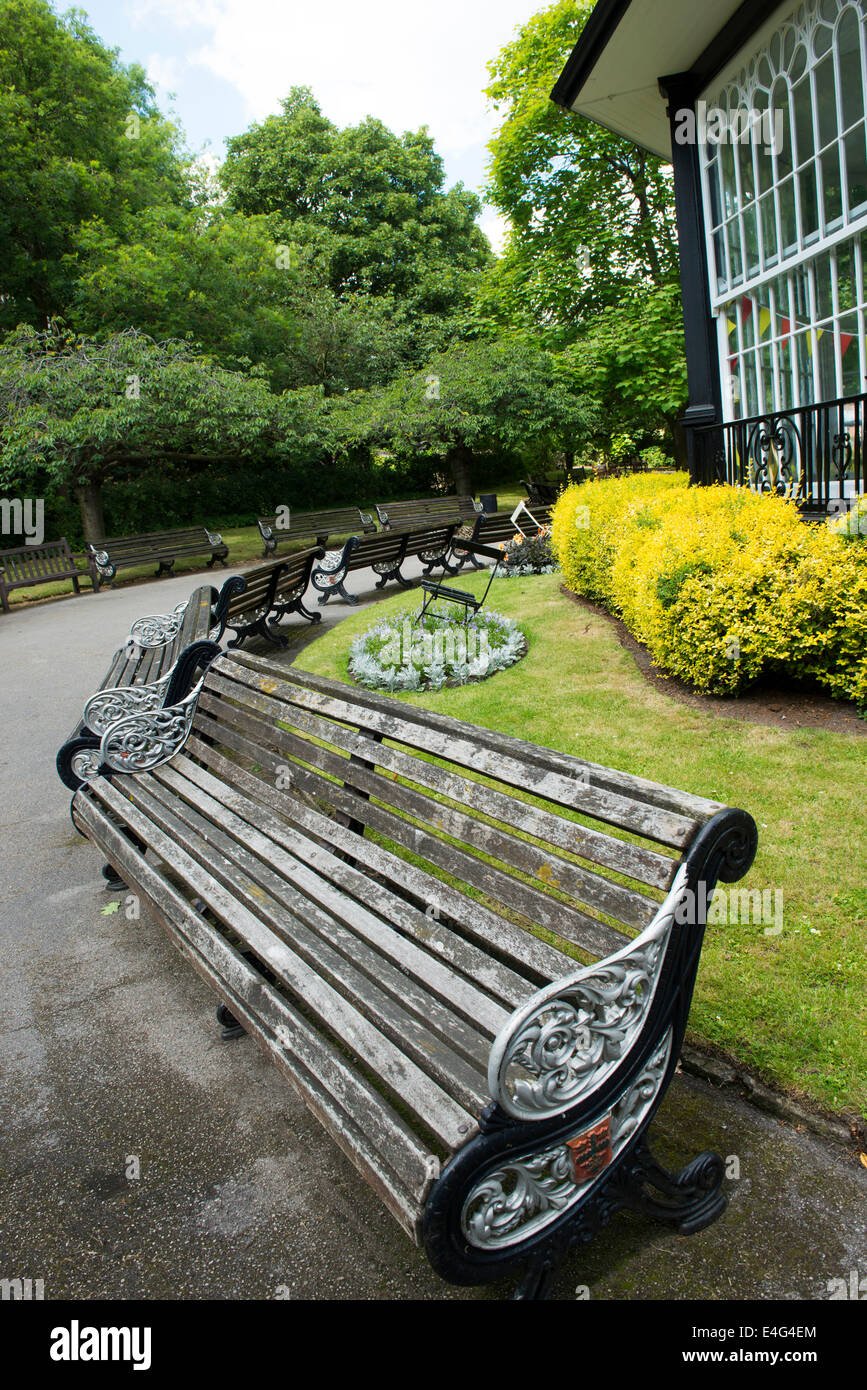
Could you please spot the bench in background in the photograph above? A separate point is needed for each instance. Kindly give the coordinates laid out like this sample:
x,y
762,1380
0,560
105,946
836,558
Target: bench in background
x,y
384,553
428,511
163,548
316,526
31,565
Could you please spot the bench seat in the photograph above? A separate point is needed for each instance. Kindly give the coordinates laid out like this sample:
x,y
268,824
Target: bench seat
x,y
461,948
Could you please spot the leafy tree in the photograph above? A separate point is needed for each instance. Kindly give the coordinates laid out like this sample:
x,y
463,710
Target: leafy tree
x,y
81,138
475,397
79,414
631,361
591,215
367,207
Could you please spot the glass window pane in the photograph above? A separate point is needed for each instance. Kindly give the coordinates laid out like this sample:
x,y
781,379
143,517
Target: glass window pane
x,y
802,105
822,40
847,289
764,162
719,252
780,131
788,220
832,192
798,63
769,403
826,101
849,57
770,240
804,366
849,355
809,203
745,161
751,384
824,297
787,399
736,264
715,203
748,322
751,241
827,363
727,168
856,168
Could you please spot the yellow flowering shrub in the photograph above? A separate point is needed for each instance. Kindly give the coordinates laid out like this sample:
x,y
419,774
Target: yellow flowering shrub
x,y
723,585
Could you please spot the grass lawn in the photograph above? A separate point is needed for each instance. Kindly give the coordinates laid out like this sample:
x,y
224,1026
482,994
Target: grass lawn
x,y
245,547
791,1007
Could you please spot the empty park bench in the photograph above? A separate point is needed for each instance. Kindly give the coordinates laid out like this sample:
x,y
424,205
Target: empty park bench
x,y
384,553
31,565
147,673
472,956
163,548
272,591
428,511
317,526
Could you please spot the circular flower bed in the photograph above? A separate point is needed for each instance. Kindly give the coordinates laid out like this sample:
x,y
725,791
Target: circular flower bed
x,y
402,652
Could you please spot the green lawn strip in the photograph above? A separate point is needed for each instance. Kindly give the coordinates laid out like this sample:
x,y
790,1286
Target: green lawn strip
x,y
789,1006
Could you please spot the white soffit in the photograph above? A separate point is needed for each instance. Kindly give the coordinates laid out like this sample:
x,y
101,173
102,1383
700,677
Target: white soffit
x,y
654,39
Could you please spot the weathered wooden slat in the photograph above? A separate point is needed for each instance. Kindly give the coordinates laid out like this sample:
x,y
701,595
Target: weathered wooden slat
x,y
523,951
458,744
447,1120
386,1151
679,803
444,1046
326,909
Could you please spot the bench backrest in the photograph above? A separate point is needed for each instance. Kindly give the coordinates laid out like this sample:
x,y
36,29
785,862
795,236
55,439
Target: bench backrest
x,y
579,850
153,543
343,521
36,564
426,510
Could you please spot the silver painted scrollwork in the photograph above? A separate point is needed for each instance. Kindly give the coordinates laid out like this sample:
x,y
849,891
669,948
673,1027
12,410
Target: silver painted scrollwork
x,y
214,538
85,764
159,629
143,741
106,707
527,1194
567,1039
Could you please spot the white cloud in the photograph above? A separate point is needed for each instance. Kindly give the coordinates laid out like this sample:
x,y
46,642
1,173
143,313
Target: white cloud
x,y
407,63
495,228
164,72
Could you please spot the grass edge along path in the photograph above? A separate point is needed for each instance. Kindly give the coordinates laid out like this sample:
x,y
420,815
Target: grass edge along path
x,y
790,1006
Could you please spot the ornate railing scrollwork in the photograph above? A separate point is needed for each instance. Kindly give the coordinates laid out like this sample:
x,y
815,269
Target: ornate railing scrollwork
x,y
565,1041
526,1194
774,455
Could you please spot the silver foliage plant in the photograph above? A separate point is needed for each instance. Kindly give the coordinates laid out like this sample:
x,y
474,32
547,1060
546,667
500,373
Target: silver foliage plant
x,y
401,654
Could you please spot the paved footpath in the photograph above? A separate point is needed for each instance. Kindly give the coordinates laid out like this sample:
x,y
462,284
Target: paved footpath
x,y
111,1063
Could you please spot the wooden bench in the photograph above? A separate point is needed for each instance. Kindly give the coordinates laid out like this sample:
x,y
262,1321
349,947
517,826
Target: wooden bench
x,y
427,511
108,556
484,1002
316,526
384,553
147,673
272,591
31,565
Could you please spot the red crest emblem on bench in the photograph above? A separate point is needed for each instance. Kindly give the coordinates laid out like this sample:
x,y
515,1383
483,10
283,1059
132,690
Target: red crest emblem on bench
x,y
591,1151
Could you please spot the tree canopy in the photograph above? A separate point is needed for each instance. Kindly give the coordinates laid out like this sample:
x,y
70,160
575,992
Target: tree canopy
x,y
81,138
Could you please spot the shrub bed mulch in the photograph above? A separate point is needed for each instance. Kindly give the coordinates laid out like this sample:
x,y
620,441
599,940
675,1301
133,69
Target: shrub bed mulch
x,y
798,707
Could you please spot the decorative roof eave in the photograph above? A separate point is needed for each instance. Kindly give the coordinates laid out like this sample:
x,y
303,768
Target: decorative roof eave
x,y
614,71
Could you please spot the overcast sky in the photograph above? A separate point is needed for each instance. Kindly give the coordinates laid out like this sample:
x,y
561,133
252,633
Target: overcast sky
x,y
408,62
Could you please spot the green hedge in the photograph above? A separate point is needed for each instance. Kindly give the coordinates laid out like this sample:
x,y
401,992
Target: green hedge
x,y
724,586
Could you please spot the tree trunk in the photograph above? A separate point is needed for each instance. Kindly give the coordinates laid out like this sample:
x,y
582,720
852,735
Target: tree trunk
x,y
461,460
90,505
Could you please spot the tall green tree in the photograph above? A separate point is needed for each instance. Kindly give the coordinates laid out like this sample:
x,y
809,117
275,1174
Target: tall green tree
x,y
476,398
367,207
78,414
81,137
591,215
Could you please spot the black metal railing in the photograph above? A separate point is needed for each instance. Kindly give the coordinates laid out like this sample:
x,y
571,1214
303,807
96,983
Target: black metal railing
x,y
814,454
